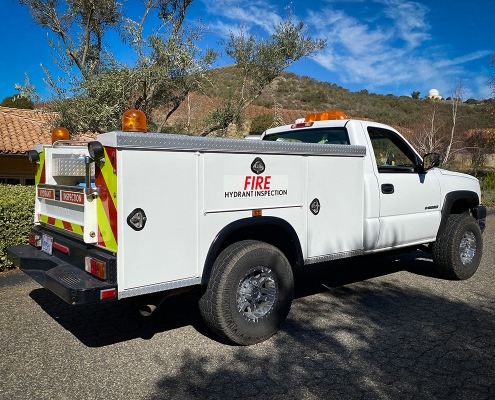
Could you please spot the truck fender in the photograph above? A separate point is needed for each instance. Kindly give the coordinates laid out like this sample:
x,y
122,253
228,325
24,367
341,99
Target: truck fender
x,y
457,202
256,228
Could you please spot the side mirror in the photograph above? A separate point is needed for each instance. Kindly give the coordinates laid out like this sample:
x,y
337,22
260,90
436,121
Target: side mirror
x,y
430,160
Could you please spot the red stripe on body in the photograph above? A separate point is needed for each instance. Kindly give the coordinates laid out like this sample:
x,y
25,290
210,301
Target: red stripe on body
x,y
51,221
100,238
67,225
43,174
112,154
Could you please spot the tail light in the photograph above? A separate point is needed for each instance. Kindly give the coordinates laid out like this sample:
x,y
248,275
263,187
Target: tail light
x,y
96,267
35,240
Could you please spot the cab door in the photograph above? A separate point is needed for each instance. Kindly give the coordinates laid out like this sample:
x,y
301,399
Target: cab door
x,y
409,197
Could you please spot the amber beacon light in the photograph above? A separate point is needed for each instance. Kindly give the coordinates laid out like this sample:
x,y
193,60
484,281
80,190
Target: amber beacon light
x,y
326,116
60,134
134,121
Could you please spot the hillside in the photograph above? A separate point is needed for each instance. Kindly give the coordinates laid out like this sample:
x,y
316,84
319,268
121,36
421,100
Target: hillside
x,y
298,95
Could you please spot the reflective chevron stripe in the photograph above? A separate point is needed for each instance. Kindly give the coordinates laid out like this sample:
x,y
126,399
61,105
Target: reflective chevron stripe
x,y
58,223
106,181
40,171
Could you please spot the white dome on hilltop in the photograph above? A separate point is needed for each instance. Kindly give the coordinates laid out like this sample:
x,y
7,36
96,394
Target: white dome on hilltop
x,y
434,94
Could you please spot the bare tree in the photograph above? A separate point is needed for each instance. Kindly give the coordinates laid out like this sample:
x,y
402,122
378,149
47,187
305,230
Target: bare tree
x,y
80,28
457,95
428,138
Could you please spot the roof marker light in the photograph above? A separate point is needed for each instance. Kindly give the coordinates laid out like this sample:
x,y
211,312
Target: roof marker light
x,y
301,125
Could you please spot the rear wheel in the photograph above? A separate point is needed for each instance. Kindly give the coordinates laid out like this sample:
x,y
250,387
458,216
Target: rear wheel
x,y
458,251
250,292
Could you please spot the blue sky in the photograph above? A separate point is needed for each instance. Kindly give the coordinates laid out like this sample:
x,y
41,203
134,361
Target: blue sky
x,y
384,46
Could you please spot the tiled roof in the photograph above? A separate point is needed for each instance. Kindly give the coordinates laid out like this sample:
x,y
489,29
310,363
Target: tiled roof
x,y
21,129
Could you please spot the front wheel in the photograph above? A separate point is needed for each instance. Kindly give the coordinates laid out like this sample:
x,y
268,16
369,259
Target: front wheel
x,y
250,292
457,252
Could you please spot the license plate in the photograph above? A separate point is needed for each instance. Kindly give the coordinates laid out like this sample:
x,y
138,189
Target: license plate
x,y
47,244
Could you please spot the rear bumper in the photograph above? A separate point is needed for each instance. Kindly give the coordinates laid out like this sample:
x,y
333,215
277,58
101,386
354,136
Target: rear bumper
x,y
70,283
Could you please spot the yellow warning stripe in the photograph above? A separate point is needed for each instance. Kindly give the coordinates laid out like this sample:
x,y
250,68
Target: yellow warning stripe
x,y
110,178
106,203
105,228
40,168
58,223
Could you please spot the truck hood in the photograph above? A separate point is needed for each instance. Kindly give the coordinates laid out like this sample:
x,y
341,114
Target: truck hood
x,y
454,181
457,174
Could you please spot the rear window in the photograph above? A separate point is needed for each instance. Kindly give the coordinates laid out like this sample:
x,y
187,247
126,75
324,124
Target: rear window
x,y
318,135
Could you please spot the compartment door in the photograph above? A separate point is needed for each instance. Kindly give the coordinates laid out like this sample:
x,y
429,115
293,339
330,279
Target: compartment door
x,y
334,206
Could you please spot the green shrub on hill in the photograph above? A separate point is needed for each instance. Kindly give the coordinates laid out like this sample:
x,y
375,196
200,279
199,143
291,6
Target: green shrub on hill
x,y
16,218
260,124
17,101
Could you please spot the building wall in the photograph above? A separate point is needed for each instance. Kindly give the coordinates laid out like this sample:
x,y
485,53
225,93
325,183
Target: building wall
x,y
16,169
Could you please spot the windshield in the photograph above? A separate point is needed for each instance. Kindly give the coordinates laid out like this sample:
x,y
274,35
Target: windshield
x,y
318,135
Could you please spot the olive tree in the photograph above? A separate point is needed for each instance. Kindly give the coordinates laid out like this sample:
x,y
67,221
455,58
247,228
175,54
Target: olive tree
x,y
260,61
96,87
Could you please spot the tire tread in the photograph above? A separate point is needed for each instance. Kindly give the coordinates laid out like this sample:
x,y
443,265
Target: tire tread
x,y
445,249
211,303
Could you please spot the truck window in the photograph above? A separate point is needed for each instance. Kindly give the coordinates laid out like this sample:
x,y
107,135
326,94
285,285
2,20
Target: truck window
x,y
392,154
336,135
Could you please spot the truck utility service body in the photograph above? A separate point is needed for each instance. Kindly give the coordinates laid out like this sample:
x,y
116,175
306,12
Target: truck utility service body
x,y
155,212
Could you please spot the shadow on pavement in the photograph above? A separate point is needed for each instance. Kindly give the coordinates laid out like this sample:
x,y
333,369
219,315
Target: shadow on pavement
x,y
369,340
348,336
103,324
321,277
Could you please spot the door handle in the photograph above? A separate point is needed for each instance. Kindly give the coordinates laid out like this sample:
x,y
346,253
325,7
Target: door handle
x,y
387,188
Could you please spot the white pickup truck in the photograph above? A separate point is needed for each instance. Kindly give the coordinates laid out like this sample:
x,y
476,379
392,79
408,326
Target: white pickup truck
x,y
145,213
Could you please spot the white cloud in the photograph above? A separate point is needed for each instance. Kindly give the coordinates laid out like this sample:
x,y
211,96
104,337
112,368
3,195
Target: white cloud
x,y
256,13
222,29
463,59
383,44
374,53
409,19
483,89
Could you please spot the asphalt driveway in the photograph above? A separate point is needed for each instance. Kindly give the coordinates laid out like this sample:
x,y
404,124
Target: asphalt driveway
x,y
362,328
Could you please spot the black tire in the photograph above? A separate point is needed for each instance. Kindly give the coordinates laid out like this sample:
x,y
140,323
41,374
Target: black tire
x,y
457,253
249,293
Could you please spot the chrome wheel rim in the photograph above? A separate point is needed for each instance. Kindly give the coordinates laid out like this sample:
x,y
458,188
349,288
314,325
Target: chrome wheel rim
x,y
257,293
467,248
